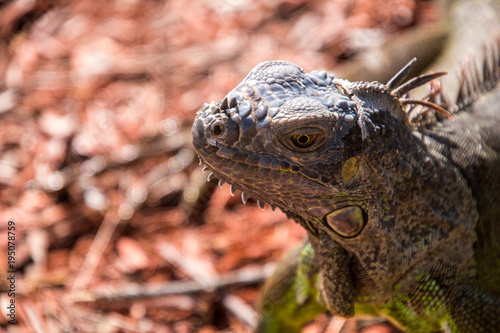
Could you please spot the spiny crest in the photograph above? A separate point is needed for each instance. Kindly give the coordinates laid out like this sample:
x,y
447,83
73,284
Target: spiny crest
x,y
473,81
402,91
390,93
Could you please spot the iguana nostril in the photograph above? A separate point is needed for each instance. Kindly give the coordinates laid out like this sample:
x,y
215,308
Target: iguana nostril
x,y
218,129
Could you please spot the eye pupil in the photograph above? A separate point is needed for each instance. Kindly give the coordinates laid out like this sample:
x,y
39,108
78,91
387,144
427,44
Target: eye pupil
x,y
303,139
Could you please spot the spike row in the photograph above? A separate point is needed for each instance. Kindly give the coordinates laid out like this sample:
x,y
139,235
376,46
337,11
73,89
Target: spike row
x,y
415,83
429,105
473,80
401,91
401,75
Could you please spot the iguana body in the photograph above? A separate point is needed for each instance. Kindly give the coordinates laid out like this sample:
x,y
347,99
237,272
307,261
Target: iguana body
x,y
401,205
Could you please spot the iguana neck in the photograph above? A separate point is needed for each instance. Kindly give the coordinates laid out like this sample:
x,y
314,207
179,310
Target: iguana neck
x,y
471,144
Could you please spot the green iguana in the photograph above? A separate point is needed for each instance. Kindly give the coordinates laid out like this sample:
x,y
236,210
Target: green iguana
x,y
400,196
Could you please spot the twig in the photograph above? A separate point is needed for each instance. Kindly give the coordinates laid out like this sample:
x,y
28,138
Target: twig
x,y
335,325
244,276
34,318
199,272
82,318
108,226
241,310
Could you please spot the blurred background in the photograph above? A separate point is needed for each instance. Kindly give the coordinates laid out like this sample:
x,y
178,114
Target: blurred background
x,y
116,227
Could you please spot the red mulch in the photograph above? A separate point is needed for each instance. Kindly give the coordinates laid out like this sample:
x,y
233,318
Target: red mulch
x,y
96,167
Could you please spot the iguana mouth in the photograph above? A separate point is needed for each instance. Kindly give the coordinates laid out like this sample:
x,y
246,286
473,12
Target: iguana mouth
x,y
213,163
246,191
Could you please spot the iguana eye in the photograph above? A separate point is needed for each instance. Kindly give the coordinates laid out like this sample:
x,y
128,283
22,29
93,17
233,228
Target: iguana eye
x,y
304,140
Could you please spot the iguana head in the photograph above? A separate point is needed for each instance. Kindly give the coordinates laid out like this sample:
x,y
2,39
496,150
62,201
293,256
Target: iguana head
x,y
332,154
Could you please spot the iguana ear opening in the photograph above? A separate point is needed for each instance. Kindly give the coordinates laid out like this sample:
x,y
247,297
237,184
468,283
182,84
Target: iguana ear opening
x,y
347,222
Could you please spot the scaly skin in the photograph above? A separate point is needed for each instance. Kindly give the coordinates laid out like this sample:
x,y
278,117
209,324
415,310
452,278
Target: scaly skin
x,y
401,207
291,293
